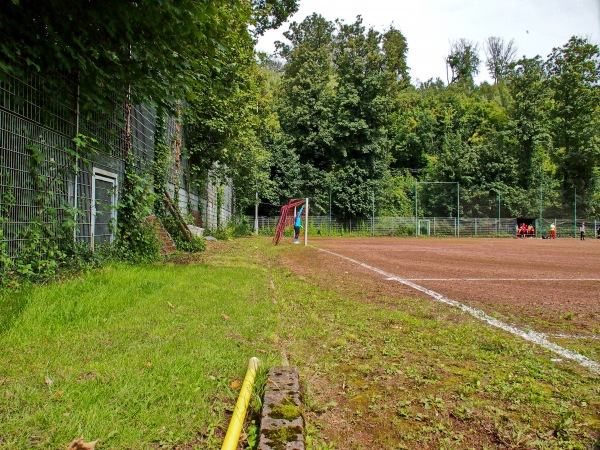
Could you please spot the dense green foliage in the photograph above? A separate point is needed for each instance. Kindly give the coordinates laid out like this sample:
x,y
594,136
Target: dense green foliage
x,y
187,58
137,240
463,61
573,75
354,128
334,108
158,48
223,128
334,114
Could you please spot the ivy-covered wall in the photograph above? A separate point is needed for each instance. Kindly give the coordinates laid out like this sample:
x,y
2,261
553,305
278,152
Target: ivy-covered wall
x,y
63,162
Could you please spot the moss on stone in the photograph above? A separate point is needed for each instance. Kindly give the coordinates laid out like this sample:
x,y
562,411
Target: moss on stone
x,y
286,411
279,438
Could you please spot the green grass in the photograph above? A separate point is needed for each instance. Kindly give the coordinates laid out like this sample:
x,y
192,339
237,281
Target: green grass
x,y
125,366
144,356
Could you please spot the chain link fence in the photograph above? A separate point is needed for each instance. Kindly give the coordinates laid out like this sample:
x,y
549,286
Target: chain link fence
x,y
446,209
48,183
431,226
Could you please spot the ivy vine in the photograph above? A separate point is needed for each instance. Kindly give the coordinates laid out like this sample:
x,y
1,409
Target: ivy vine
x,y
47,243
162,162
138,241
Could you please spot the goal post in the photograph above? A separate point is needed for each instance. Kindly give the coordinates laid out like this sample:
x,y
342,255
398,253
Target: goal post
x,y
424,224
306,221
288,216
437,199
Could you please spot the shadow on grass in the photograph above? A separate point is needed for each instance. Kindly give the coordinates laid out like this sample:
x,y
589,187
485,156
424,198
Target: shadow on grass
x,y
12,305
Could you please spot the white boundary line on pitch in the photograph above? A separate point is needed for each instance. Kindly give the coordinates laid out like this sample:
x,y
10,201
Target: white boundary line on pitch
x,y
575,336
502,279
532,336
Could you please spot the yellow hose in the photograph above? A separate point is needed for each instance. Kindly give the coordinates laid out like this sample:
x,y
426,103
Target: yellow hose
x,y
239,413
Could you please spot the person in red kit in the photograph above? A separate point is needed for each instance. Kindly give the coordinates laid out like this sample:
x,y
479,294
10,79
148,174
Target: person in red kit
x,y
523,230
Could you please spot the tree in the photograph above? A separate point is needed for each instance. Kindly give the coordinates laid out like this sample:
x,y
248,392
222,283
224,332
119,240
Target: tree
x,y
529,120
362,103
155,48
362,110
286,174
413,129
334,109
395,49
269,14
574,78
463,61
225,125
457,160
306,96
499,56
302,151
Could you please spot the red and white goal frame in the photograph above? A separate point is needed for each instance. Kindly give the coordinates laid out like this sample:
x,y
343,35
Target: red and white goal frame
x,y
288,214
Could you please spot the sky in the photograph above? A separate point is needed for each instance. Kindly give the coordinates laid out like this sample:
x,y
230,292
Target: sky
x,y
537,26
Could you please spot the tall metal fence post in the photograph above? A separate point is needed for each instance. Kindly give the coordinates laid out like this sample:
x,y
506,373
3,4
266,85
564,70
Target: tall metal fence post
x,y
575,214
256,214
458,208
306,222
329,225
498,227
416,214
76,175
373,214
538,229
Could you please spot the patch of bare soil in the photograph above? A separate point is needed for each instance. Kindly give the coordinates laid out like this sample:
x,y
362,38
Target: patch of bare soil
x,y
550,285
518,279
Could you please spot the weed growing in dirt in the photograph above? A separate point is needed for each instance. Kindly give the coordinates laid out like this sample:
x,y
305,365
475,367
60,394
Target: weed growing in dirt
x,y
412,373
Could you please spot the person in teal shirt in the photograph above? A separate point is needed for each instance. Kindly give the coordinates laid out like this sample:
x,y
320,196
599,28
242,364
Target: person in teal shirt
x,y
298,225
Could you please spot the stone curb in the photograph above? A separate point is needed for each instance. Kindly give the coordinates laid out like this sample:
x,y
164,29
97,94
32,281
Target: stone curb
x,y
282,424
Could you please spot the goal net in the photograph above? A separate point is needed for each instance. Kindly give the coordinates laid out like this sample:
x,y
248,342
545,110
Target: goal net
x,y
287,218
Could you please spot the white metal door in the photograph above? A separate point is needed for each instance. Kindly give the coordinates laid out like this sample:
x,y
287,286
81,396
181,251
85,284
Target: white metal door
x,y
104,206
